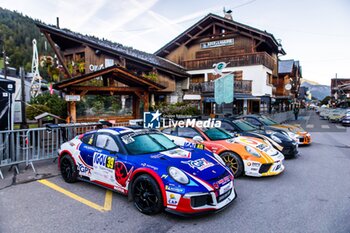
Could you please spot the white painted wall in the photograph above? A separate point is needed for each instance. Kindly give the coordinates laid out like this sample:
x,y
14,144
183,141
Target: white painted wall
x,y
256,73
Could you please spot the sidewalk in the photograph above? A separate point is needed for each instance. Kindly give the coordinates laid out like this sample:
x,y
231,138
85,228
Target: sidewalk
x,y
44,169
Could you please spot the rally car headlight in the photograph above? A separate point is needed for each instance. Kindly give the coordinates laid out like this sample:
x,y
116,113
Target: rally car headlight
x,y
275,138
218,158
178,175
252,151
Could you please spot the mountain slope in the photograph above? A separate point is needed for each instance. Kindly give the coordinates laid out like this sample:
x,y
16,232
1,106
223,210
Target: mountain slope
x,y
317,91
17,32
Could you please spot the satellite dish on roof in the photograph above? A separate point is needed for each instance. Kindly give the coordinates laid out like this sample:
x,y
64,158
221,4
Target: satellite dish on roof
x,y
288,87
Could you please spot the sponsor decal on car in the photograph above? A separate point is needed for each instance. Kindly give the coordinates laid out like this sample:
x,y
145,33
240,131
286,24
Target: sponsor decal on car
x,y
201,164
174,189
150,166
193,145
122,174
83,169
178,153
172,198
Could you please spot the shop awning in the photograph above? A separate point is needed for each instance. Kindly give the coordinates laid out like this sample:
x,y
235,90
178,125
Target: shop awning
x,y
246,97
192,97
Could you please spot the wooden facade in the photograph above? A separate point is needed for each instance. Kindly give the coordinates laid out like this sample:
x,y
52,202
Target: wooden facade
x,y
99,67
217,39
244,45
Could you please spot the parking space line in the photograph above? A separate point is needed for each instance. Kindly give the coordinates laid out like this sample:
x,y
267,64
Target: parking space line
x,y
108,198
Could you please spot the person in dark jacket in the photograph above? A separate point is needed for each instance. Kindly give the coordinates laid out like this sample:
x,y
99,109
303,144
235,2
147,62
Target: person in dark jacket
x,y
296,112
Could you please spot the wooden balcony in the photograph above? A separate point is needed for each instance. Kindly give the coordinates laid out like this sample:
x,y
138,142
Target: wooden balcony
x,y
241,87
249,59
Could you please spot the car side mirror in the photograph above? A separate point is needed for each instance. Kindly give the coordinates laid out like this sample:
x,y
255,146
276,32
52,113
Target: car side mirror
x,y
198,139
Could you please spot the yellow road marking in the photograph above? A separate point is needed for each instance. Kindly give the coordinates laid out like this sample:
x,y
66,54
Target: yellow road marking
x,y
108,201
108,198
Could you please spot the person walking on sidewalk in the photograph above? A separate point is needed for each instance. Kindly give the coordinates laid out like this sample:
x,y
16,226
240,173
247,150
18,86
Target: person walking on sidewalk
x,y
296,112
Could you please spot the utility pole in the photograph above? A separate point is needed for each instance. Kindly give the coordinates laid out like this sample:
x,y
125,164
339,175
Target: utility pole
x,y
24,124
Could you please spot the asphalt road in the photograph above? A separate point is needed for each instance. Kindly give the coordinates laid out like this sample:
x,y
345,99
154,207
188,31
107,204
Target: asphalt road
x,y
312,195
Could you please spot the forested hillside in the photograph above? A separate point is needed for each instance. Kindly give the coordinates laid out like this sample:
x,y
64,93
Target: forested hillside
x,y
16,34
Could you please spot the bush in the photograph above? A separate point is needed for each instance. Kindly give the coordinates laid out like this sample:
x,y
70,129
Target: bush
x,y
177,109
56,105
35,110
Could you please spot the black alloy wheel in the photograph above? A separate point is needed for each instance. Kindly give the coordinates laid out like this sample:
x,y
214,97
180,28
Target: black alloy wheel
x,y
147,195
68,169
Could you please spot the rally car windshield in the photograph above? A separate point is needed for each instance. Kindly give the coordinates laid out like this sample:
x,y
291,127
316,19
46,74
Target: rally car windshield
x,y
215,134
147,143
267,121
244,126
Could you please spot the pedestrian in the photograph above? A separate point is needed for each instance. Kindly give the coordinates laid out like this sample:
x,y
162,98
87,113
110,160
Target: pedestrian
x,y
296,112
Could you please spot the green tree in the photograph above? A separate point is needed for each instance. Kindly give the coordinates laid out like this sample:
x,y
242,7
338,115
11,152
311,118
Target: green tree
x,y
56,105
325,100
35,110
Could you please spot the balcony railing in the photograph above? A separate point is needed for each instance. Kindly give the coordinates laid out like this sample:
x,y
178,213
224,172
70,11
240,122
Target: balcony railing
x,y
249,59
241,87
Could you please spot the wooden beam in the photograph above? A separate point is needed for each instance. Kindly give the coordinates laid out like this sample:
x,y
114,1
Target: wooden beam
x,y
145,101
241,32
106,89
198,33
83,93
59,55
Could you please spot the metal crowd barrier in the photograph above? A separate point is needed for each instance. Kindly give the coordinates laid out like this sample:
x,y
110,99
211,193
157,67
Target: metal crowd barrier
x,y
29,145
12,148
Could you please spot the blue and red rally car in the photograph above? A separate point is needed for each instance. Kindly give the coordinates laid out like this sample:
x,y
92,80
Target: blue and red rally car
x,y
149,168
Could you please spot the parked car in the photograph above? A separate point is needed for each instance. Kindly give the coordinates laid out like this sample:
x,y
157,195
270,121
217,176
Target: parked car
x,y
243,155
324,113
335,115
296,132
280,141
346,119
149,168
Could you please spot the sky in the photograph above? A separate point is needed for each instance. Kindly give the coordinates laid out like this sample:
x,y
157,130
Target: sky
x,y
315,32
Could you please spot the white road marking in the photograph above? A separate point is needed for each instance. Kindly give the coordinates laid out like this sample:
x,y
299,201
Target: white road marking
x,y
325,126
340,127
310,126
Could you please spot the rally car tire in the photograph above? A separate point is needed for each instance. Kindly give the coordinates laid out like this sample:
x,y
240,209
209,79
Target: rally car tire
x,y
234,162
147,195
68,169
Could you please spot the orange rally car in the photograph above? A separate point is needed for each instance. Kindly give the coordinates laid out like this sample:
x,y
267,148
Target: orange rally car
x,y
243,155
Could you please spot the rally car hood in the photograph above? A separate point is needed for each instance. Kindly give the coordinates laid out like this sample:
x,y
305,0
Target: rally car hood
x,y
196,162
291,128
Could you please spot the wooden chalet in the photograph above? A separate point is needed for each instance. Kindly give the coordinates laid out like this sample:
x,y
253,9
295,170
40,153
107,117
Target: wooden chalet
x,y
99,68
287,84
251,54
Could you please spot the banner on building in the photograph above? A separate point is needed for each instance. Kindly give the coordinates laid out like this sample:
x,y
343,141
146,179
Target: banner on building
x,y
223,92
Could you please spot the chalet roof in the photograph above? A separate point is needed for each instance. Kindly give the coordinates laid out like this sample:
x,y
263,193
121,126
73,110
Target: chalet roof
x,y
285,67
121,74
45,114
112,47
210,18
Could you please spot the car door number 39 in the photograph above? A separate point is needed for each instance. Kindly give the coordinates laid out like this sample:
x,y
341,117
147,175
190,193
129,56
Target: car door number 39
x,y
110,162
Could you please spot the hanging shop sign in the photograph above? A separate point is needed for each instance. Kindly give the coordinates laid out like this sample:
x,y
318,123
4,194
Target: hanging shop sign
x,y
72,97
217,43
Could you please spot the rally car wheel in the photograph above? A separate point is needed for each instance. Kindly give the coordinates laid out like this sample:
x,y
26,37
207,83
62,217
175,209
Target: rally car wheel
x,y
147,195
68,169
234,162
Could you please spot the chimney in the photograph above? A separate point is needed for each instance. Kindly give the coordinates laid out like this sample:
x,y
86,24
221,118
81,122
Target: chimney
x,y
228,14
58,22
